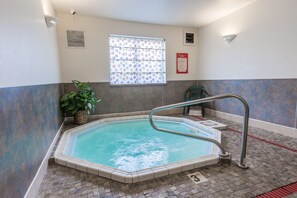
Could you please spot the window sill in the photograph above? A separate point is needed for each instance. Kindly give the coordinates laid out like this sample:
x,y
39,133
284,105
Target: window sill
x,y
138,85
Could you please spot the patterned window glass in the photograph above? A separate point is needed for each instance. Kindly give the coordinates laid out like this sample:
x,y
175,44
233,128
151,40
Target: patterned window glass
x,y
136,60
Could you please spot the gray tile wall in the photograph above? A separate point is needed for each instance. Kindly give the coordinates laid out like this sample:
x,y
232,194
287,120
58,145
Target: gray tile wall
x,y
29,119
117,99
271,100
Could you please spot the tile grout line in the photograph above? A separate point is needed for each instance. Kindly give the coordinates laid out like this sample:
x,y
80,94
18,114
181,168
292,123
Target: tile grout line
x,y
258,138
266,141
295,124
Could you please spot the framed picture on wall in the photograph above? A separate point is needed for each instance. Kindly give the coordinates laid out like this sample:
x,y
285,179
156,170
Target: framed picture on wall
x,y
189,38
75,39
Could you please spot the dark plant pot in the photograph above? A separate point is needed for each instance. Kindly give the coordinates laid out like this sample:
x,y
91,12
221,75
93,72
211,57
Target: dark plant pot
x,y
81,117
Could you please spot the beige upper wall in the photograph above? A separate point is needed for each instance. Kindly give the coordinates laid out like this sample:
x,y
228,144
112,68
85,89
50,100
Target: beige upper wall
x,y
265,47
28,50
92,62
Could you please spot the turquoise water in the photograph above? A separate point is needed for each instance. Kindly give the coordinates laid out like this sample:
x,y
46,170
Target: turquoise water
x,y
135,145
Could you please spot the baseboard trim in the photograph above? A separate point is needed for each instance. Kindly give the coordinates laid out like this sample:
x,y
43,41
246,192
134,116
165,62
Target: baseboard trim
x,y
32,191
276,128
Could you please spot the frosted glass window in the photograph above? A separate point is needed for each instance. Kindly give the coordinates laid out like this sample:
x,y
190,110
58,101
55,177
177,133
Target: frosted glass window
x,y
136,60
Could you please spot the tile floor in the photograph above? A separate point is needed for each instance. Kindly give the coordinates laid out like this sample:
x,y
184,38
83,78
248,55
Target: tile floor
x,y
270,167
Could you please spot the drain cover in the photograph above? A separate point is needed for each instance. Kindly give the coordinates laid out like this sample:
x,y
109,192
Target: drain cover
x,y
197,178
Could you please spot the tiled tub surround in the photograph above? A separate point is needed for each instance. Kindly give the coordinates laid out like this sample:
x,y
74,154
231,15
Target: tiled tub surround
x,y
118,99
29,120
140,175
270,100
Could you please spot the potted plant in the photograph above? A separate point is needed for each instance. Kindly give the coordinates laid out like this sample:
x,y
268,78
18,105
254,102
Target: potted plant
x,y
79,103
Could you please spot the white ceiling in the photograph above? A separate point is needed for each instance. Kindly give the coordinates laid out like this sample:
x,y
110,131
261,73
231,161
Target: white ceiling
x,y
191,13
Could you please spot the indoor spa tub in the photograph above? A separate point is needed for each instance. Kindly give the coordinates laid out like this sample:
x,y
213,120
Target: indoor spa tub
x,y
129,150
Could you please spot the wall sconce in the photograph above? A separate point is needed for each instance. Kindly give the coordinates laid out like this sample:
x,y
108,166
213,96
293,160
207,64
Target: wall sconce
x,y
229,37
51,21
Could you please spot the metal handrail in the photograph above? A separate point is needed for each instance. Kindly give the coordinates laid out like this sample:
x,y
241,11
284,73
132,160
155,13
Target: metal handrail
x,y
241,163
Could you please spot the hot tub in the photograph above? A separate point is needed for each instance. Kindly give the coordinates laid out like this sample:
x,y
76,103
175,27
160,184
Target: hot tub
x,y
129,150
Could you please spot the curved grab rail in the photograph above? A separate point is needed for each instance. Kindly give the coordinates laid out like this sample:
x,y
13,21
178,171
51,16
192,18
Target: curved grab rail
x,y
241,164
223,152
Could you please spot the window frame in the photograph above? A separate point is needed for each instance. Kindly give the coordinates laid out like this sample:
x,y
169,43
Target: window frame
x,y
138,37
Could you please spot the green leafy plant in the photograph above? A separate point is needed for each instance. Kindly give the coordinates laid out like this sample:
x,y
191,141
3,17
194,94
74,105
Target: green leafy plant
x,y
83,99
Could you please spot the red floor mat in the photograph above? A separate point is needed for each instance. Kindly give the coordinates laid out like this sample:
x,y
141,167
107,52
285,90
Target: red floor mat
x,y
280,192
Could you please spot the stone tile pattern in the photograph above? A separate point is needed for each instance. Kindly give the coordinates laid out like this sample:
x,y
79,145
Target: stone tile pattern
x,y
136,98
270,167
266,135
29,120
271,100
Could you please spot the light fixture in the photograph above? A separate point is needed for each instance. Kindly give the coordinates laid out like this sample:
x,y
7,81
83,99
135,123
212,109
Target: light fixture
x,y
229,37
51,21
